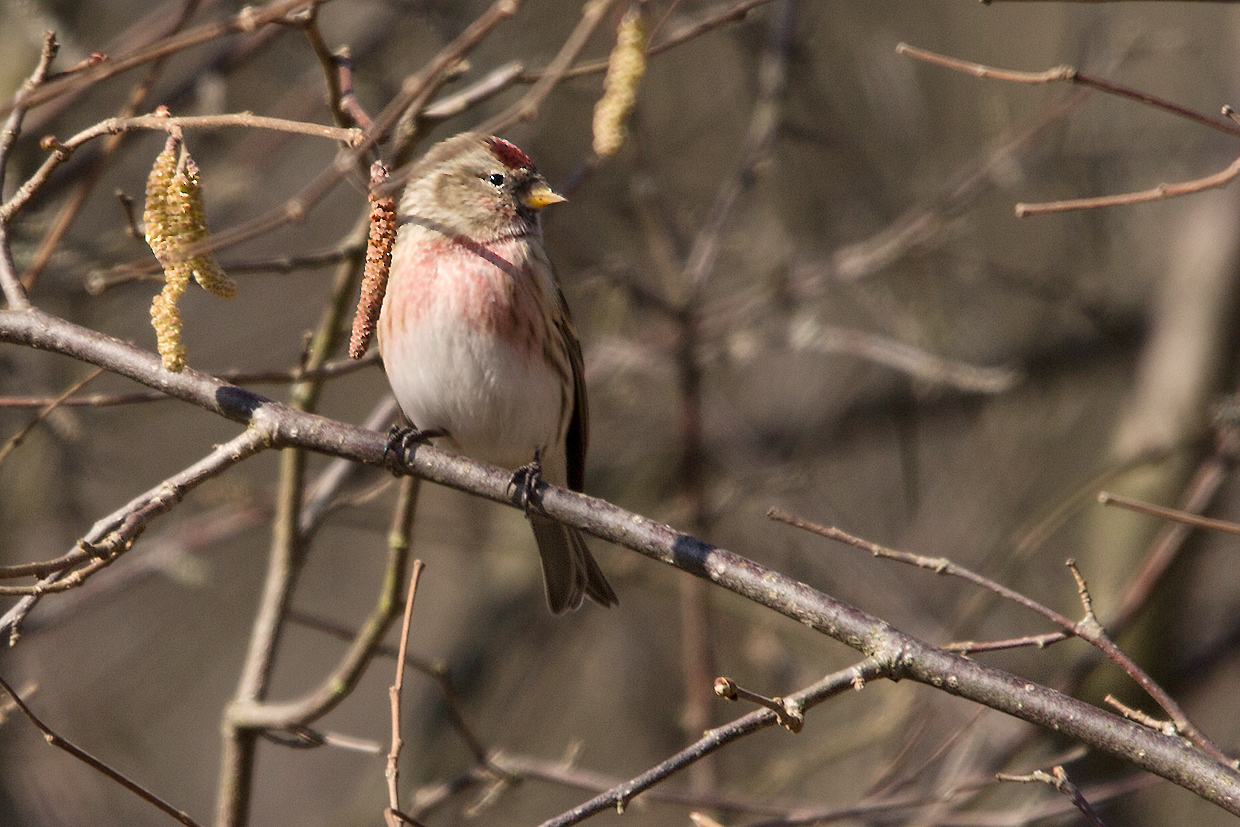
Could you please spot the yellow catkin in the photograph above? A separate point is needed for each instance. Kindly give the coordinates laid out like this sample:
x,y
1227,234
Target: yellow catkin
x,y
155,214
166,319
383,227
625,68
175,221
188,223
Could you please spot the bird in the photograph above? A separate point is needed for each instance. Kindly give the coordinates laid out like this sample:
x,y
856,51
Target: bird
x,y
477,341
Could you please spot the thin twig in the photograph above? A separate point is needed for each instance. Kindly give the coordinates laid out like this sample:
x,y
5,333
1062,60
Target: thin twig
x,y
1088,628
1070,75
788,716
115,534
246,21
45,412
592,13
1158,193
10,284
486,87
1179,516
61,151
968,647
334,368
621,795
914,361
98,281
308,21
1053,75
349,103
682,32
436,672
13,124
1058,779
1165,727
392,770
97,765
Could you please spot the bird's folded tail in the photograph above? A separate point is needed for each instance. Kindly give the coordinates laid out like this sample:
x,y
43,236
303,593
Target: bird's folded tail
x,y
569,571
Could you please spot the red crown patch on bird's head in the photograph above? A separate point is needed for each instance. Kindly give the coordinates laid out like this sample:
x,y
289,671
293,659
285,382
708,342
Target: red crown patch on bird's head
x,y
509,154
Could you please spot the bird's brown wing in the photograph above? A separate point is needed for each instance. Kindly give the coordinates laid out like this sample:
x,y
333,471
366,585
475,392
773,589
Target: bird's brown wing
x,y
578,435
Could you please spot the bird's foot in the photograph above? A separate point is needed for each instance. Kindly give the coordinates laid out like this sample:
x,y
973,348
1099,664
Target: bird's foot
x,y
525,482
402,439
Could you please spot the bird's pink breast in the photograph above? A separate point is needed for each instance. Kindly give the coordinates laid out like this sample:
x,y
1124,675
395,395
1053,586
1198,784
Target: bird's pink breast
x,y
485,288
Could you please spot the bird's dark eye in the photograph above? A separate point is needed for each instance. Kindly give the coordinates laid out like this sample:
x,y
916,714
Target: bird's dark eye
x,y
496,179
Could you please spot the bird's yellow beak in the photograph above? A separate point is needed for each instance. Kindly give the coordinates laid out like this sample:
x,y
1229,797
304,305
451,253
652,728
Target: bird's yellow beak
x,y
539,196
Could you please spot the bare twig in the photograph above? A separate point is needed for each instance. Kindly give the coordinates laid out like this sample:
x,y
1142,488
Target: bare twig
x,y
1158,193
437,672
98,281
1165,727
1210,475
526,108
337,367
620,796
97,765
13,124
1184,517
14,293
491,84
349,102
1069,75
247,20
392,771
333,72
968,647
787,714
684,31
1054,75
906,358
46,411
115,534
1058,779
61,151
1088,628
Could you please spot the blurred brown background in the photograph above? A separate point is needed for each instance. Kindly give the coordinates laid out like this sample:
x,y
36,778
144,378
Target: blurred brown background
x,y
883,207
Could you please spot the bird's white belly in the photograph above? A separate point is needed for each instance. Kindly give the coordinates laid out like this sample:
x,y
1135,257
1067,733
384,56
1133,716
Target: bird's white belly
x,y
498,404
